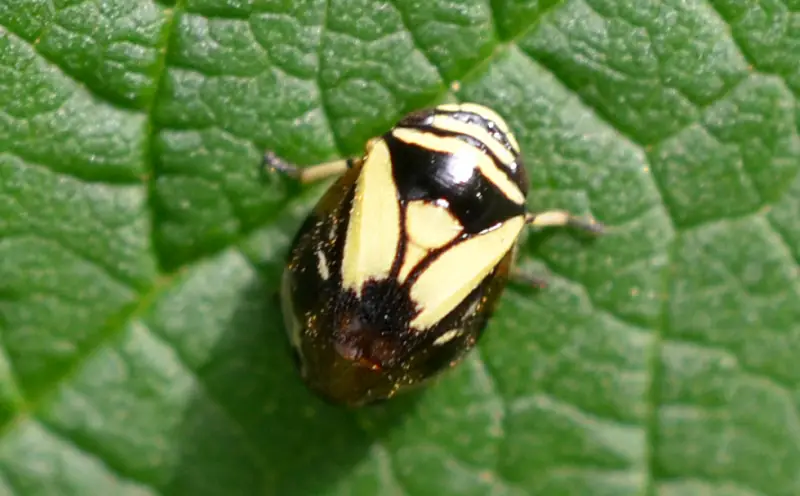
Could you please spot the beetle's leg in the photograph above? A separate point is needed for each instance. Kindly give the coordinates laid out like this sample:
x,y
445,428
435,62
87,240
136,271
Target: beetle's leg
x,y
563,218
552,218
306,174
525,278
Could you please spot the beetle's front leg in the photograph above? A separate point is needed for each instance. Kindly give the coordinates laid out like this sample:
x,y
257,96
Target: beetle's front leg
x,y
558,218
309,174
526,278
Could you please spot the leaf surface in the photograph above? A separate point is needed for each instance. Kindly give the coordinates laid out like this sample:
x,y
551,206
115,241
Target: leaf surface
x,y
141,347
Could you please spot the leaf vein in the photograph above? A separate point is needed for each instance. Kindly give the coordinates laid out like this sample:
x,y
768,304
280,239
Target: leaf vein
x,y
153,129
323,100
114,327
524,403
626,321
116,469
781,239
783,384
407,28
203,388
389,472
742,48
89,179
501,410
491,475
119,103
737,486
109,270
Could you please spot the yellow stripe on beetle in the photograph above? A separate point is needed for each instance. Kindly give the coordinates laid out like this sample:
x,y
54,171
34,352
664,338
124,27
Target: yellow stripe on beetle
x,y
486,113
373,231
430,225
446,123
413,255
456,272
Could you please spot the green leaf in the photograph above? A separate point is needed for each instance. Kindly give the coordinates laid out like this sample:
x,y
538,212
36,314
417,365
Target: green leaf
x,y
141,348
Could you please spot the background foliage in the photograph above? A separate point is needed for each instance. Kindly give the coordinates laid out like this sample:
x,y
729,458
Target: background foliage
x,y
142,349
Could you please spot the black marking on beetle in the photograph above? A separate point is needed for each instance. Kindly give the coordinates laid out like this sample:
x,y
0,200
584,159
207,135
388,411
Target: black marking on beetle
x,y
402,242
423,174
515,170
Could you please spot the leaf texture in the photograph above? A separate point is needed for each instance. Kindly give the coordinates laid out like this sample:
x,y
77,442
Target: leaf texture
x,y
141,347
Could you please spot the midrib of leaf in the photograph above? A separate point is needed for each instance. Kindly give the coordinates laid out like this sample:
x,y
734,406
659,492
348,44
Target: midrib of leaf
x,y
152,130
323,101
655,372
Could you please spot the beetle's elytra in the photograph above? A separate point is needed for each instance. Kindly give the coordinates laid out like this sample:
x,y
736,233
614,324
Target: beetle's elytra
x,y
395,273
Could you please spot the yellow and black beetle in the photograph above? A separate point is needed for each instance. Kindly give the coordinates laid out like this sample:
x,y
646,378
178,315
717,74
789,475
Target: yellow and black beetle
x,y
395,273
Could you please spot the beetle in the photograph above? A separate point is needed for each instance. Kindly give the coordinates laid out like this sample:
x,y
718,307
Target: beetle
x,y
395,273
